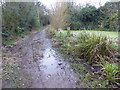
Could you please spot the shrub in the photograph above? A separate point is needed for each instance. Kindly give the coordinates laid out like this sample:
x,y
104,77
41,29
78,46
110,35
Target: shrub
x,y
92,47
19,30
88,46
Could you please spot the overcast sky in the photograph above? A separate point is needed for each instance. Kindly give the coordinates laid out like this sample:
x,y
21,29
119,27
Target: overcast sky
x,y
48,3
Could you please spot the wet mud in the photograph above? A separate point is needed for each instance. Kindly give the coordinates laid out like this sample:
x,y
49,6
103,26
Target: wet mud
x,y
44,65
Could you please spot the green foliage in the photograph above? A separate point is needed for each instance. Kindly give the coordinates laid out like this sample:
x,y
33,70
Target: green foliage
x,y
20,17
43,14
9,42
110,71
80,68
51,32
80,18
92,46
69,33
88,46
19,30
90,17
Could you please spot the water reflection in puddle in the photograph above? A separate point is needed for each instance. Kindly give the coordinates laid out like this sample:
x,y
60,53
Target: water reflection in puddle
x,y
49,64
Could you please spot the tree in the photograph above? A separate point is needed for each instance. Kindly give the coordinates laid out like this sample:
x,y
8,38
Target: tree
x,y
88,16
18,17
43,14
59,15
83,17
109,16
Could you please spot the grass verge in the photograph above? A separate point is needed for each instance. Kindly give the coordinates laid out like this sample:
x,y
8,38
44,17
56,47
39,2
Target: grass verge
x,y
93,57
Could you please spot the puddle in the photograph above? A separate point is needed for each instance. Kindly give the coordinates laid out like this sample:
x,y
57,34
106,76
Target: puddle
x,y
55,71
49,64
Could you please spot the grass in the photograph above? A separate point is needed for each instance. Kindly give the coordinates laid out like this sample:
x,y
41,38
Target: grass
x,y
110,34
10,42
91,47
110,71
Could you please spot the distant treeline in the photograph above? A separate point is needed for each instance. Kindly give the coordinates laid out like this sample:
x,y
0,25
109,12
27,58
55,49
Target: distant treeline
x,y
20,17
87,17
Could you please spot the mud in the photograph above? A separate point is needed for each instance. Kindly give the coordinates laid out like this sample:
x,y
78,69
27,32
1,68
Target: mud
x,y
44,65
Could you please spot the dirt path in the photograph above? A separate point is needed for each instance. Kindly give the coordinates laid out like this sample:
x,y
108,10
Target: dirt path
x,y
46,67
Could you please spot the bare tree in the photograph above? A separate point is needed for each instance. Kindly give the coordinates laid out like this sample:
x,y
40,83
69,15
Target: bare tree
x,y
59,15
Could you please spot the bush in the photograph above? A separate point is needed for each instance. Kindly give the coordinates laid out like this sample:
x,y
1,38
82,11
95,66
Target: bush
x,y
92,47
19,30
88,46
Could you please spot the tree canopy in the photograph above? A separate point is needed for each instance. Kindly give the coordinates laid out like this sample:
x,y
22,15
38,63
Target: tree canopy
x,y
19,17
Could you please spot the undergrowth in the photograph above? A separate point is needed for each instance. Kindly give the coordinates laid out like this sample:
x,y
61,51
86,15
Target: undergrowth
x,y
95,50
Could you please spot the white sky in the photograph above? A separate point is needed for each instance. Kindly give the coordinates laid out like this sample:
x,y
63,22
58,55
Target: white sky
x,y
50,3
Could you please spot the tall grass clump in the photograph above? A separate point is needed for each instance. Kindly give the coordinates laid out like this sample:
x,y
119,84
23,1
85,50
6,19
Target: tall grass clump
x,y
111,73
92,47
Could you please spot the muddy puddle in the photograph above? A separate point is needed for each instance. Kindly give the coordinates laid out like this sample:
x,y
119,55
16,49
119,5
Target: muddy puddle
x,y
55,72
52,63
49,63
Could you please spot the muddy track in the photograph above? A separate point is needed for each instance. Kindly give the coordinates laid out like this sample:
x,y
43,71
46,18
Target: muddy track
x,y
45,66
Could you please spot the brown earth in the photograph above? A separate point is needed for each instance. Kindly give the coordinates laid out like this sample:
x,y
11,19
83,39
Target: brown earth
x,y
38,65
